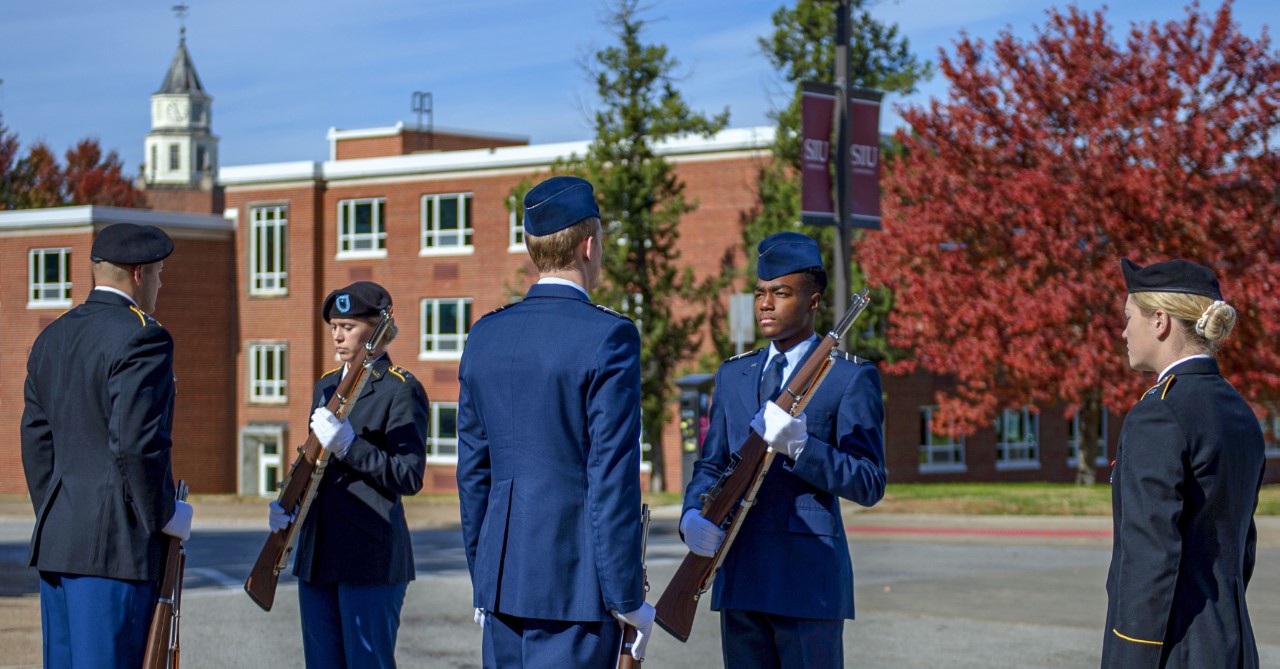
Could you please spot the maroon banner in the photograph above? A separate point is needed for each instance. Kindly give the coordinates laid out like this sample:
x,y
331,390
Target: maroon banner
x,y
817,201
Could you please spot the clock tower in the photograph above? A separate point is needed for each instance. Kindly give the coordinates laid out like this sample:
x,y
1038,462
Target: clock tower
x,y
181,152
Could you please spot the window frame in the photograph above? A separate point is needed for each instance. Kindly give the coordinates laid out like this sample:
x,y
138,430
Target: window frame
x,y
464,319
1031,444
37,285
1073,442
280,351
515,227
430,204
378,235
1271,433
257,228
435,441
926,451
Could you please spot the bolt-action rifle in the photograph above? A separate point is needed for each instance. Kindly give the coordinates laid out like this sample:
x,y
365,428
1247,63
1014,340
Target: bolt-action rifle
x,y
625,660
162,641
727,502
303,480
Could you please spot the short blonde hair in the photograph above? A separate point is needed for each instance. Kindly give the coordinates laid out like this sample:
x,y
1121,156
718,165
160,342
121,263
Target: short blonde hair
x,y
555,251
1204,321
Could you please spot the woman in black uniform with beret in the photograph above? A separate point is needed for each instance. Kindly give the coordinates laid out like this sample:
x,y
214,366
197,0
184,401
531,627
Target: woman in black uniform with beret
x,y
1184,484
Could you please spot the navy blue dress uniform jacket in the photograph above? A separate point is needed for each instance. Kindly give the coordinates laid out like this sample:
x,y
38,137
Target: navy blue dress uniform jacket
x,y
549,458
356,532
791,556
96,440
1184,488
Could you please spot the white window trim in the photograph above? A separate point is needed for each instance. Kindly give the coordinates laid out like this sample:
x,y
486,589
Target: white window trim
x,y
941,467
434,458
262,432
281,350
58,303
379,236
512,226
1101,460
428,356
281,225
1020,464
466,203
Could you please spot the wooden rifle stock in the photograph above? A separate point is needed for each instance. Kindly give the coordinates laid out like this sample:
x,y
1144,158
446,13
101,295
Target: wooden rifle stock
x,y
733,495
162,639
304,475
629,632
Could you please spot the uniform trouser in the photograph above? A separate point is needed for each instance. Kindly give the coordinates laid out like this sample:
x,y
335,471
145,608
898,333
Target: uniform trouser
x,y
350,626
91,621
511,642
769,641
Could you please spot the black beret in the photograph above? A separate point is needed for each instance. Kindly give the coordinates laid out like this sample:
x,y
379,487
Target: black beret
x,y
360,299
1172,276
131,244
558,203
786,253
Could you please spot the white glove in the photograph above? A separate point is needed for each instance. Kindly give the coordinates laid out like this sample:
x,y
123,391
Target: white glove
x,y
180,524
335,435
277,518
479,617
642,620
700,535
785,434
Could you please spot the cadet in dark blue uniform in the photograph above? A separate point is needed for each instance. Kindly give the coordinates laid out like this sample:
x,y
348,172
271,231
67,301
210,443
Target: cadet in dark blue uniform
x,y
96,451
354,558
549,454
1184,484
786,586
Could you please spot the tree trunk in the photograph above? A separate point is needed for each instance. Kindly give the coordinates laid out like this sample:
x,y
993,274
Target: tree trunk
x,y
657,462
1087,451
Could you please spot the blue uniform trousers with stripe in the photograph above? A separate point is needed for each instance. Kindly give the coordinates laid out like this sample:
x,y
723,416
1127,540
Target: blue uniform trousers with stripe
x,y
90,622
350,626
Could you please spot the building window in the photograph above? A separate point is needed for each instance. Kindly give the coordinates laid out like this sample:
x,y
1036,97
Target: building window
x,y
1017,436
1271,431
267,244
261,466
49,284
362,228
442,444
939,451
1100,443
446,223
515,226
200,159
267,383
175,157
445,323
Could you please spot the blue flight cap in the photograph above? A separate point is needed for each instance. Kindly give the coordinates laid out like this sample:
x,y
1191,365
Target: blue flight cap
x,y
131,244
558,203
1172,276
786,253
360,299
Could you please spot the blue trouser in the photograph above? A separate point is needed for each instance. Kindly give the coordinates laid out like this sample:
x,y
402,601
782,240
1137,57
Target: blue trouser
x,y
91,621
350,626
769,641
511,642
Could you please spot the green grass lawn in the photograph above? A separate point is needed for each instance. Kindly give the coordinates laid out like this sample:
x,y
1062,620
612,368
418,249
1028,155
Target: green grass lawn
x,y
1049,499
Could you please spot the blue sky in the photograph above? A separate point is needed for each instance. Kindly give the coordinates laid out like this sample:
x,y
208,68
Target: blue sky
x,y
284,71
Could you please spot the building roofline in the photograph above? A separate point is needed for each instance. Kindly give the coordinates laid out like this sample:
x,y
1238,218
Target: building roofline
x,y
399,127
535,155
60,217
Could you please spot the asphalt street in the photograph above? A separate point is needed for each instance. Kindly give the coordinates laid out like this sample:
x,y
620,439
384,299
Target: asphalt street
x,y
933,591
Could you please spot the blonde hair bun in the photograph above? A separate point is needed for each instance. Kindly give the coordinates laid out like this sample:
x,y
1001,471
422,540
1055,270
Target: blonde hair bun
x,y
1216,321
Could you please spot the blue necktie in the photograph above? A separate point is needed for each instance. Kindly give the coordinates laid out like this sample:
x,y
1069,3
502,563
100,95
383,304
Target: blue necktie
x,y
772,381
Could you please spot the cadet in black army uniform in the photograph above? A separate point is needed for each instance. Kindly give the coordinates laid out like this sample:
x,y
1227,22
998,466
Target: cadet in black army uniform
x,y
355,558
1184,484
96,442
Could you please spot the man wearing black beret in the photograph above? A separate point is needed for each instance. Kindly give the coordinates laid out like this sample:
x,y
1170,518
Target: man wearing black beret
x,y
549,454
355,557
96,440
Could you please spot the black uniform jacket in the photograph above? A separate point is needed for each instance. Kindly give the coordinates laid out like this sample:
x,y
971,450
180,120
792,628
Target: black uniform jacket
x,y
1184,488
96,440
356,531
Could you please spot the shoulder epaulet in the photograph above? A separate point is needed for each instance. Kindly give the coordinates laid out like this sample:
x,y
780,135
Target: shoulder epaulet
x,y
837,353
144,317
399,372
743,355
336,369
1161,388
497,310
607,310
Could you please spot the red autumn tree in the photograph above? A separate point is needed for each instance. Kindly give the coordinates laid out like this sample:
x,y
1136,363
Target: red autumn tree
x,y
37,180
1051,159
92,178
